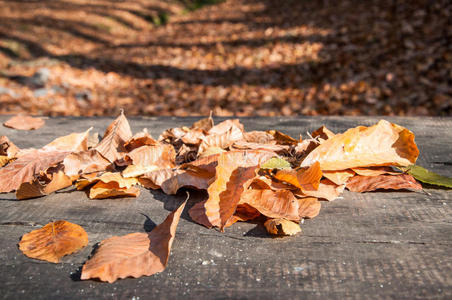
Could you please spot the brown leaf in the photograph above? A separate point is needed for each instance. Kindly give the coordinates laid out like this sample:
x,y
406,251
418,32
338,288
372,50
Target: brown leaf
x,y
116,135
53,241
322,133
134,254
232,125
150,158
107,177
380,145
85,162
233,174
171,180
36,188
7,148
102,190
308,207
26,167
4,160
72,142
338,177
243,145
198,214
140,139
303,178
273,204
361,184
204,124
259,137
375,171
282,138
222,141
327,190
22,122
281,227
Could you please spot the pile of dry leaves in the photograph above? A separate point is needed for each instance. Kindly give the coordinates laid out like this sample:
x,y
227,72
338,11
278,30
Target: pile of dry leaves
x,y
247,175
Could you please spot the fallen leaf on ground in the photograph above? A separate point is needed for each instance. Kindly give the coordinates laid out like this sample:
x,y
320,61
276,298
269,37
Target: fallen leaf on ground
x,y
4,160
22,122
7,148
338,177
307,179
375,171
383,144
26,167
234,170
53,241
85,162
281,227
72,142
272,204
117,134
140,139
361,184
102,190
308,207
36,188
149,158
107,177
134,254
327,190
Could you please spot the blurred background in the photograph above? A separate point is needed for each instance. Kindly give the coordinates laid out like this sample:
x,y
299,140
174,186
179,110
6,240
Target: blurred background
x,y
233,57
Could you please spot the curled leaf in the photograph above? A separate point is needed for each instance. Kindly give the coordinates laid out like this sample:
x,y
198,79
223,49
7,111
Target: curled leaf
x,y
308,207
36,188
281,227
53,241
383,144
7,148
102,190
134,254
303,178
85,162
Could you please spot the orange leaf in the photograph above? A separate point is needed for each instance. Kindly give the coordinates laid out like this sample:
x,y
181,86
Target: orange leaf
x,y
142,138
116,135
281,227
7,148
327,190
383,144
150,158
388,182
53,241
134,254
322,133
102,190
107,177
233,174
25,167
22,122
85,162
35,188
308,207
303,178
72,142
338,177
375,171
273,204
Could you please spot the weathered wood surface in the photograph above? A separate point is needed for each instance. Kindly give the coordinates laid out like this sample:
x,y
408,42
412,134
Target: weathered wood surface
x,y
372,245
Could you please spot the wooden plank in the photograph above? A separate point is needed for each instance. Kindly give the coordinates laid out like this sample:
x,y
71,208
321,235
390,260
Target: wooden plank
x,y
373,245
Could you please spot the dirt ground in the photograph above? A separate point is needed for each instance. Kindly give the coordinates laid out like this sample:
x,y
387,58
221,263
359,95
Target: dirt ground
x,y
237,57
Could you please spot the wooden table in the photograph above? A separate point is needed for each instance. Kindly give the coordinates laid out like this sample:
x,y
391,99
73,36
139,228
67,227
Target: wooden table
x,y
371,245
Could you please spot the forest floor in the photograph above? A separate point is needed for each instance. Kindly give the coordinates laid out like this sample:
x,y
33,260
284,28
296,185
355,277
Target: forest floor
x,y
238,57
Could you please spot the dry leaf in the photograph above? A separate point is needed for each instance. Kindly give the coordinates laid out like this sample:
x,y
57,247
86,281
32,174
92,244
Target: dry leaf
x,y
4,160
281,227
204,124
282,138
36,188
72,142
338,177
308,207
327,190
135,254
259,137
85,162
140,139
116,135
322,133
26,167
273,204
150,158
233,174
375,171
383,144
198,214
307,179
22,122
102,190
54,241
7,148
107,177
388,182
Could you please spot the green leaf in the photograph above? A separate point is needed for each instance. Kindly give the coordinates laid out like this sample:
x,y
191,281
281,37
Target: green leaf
x,y
427,176
276,163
